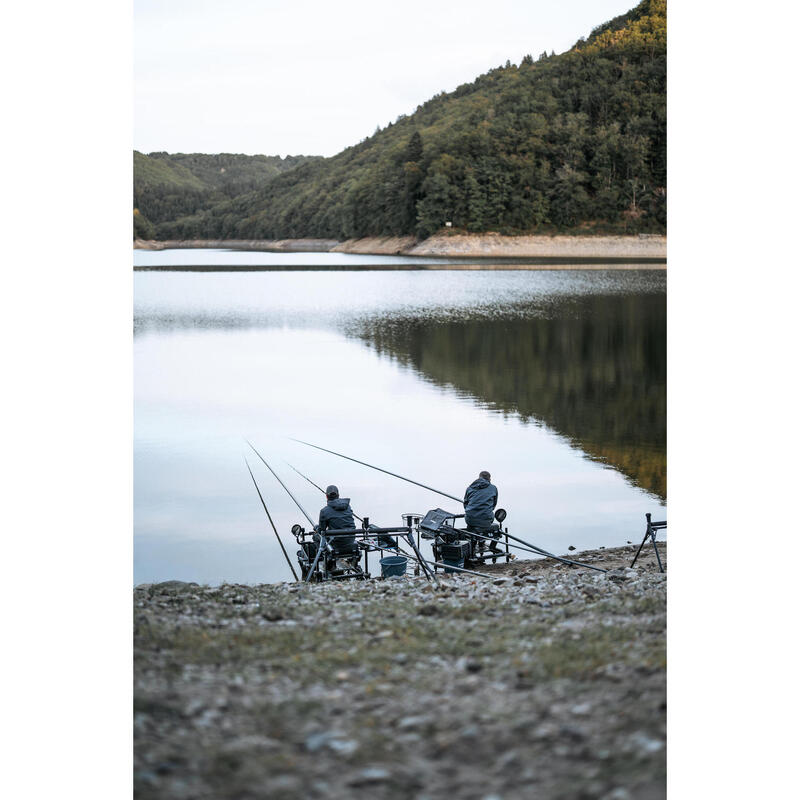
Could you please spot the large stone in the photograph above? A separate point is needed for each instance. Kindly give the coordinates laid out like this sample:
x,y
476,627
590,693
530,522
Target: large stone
x,y
173,587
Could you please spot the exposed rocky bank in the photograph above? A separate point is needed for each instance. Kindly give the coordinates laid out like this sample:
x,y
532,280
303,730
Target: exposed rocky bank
x,y
546,681
489,245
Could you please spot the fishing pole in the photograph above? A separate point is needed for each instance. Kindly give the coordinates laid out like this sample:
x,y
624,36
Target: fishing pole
x,y
535,549
270,521
310,521
372,466
305,476
317,487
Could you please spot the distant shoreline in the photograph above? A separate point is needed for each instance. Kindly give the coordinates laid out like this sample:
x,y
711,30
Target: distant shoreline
x,y
434,266
645,251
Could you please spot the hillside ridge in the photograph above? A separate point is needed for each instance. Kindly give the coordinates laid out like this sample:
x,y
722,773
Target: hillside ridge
x,y
569,143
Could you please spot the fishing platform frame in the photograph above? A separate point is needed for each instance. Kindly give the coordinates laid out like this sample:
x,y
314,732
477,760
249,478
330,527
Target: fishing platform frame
x,y
650,533
320,560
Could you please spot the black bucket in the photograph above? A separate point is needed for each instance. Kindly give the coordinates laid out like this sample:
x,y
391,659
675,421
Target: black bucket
x,y
392,566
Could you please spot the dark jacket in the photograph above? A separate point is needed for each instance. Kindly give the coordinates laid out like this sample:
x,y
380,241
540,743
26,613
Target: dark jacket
x,y
337,515
480,500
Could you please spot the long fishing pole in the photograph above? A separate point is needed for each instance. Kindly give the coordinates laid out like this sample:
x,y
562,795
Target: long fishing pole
x,y
288,561
296,502
306,477
536,549
372,466
317,487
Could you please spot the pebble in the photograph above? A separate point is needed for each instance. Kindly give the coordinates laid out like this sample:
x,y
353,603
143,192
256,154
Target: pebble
x,y
345,747
369,775
469,664
461,696
645,744
620,793
412,722
332,741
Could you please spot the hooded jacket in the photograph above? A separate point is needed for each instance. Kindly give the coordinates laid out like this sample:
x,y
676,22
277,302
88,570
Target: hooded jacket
x,y
337,515
480,500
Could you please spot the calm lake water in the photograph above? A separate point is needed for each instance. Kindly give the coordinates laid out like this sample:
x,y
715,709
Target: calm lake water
x,y
553,381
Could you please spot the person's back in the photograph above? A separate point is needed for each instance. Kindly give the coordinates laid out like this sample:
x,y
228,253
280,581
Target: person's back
x,y
337,515
480,500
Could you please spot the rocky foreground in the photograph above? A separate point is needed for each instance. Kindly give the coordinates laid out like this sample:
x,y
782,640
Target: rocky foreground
x,y
547,681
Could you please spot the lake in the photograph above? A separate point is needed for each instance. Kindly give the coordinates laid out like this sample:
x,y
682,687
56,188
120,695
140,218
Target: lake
x,y
554,381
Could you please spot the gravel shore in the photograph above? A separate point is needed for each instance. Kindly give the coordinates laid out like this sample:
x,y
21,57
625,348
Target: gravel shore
x,y
546,681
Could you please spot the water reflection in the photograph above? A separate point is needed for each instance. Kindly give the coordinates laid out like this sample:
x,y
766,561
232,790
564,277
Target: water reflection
x,y
594,370
392,368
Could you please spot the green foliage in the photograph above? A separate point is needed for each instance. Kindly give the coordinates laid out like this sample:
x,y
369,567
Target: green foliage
x,y
166,187
574,142
642,28
142,227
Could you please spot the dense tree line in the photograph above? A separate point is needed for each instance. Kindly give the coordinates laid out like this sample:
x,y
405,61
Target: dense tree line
x,y
168,186
573,142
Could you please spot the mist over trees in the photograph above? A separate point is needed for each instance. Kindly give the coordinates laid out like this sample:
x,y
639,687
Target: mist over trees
x,y
574,142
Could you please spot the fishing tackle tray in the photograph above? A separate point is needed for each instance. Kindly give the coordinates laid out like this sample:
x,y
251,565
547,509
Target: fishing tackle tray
x,y
435,519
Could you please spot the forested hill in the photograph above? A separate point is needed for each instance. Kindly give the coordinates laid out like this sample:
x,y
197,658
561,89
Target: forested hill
x,y
571,142
167,186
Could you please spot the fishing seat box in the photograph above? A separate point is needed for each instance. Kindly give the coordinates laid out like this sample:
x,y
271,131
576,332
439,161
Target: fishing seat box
x,y
344,547
455,553
490,531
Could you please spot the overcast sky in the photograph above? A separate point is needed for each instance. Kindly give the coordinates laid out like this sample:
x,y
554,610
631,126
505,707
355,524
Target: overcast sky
x,y
312,77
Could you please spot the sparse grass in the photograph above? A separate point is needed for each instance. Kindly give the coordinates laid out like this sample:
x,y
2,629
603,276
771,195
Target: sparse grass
x,y
232,685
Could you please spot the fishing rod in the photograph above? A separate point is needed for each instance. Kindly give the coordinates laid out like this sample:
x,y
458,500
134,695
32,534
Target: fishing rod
x,y
305,476
542,552
533,547
286,555
296,502
317,487
537,551
372,466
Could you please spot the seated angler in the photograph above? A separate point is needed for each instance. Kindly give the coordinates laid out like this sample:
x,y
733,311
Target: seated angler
x,y
480,500
336,515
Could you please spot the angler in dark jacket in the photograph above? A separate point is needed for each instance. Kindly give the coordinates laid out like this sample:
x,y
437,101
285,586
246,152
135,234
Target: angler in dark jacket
x,y
480,500
337,515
